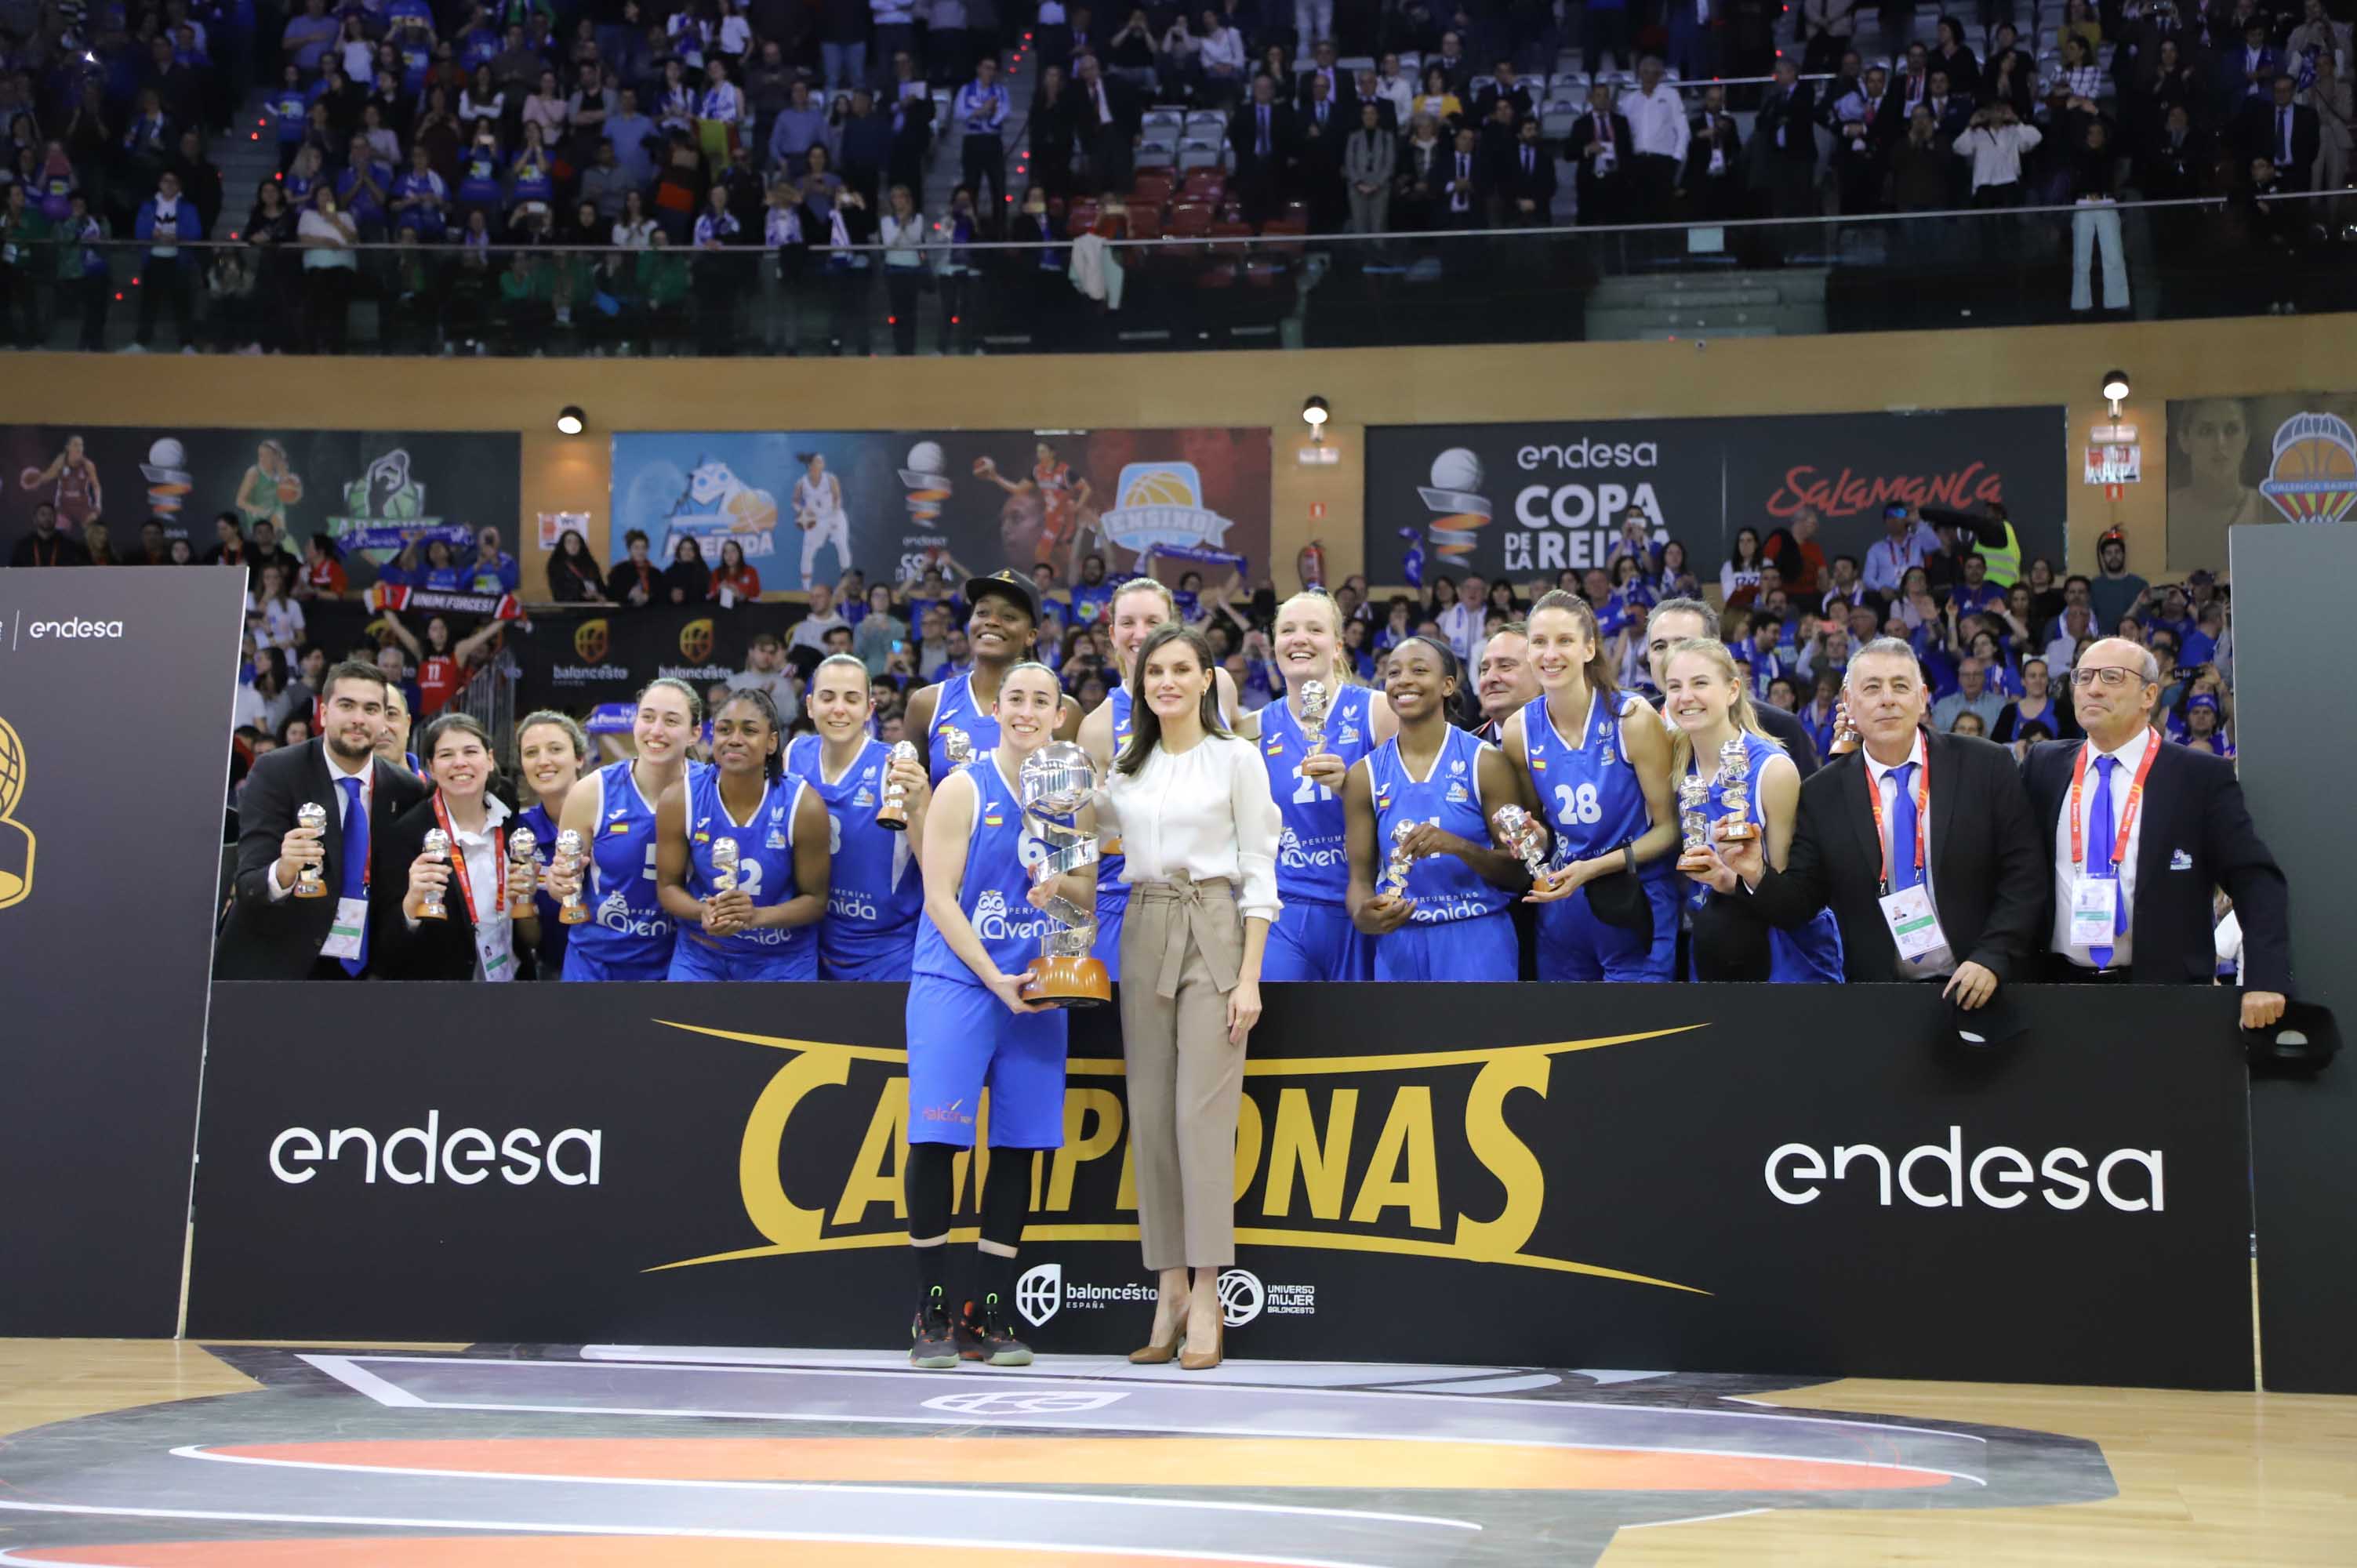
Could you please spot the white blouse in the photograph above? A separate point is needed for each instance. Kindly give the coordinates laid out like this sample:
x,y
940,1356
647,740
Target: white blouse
x,y
1206,810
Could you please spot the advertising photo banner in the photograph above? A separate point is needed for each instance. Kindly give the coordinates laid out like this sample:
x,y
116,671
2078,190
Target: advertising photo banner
x,y
1796,1179
115,692
575,660
2236,461
368,489
1529,500
806,505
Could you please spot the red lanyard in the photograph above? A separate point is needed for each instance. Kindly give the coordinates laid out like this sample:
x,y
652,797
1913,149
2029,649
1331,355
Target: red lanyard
x,y
2127,817
459,860
1922,813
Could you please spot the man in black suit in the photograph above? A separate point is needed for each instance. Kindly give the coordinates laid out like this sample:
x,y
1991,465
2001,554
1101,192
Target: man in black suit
x,y
2141,870
1341,86
2176,160
270,933
1675,620
2289,134
1109,119
1785,140
1598,149
1526,181
1503,88
1261,132
1318,171
1921,843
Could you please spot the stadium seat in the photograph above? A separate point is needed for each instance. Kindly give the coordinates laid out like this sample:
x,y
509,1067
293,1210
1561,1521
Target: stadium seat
x,y
1196,153
1206,185
1171,120
1151,188
1156,150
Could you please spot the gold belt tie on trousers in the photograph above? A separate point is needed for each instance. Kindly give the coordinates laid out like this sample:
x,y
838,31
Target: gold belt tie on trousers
x,y
1195,914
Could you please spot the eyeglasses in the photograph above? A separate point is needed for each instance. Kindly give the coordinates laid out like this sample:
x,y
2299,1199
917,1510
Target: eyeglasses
x,y
2112,676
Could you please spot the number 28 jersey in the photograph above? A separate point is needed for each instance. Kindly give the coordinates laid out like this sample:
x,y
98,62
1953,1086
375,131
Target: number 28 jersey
x,y
1587,783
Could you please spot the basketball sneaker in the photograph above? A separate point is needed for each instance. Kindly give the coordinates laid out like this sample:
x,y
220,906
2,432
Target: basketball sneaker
x,y
933,1338
988,1337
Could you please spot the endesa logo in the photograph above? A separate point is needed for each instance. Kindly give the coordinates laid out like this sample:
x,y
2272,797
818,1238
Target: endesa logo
x,y
412,1156
1998,1177
82,629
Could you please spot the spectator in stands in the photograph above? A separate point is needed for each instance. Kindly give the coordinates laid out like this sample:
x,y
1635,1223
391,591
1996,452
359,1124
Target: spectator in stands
x,y
1863,134
1657,139
1220,57
2245,75
1973,695
420,200
1438,98
573,575
1464,189
1525,180
1598,147
166,219
307,38
1261,135
46,546
2290,135
1712,181
364,191
1994,140
635,582
734,583
687,580
1368,165
493,571
982,108
2116,593
1318,160
328,237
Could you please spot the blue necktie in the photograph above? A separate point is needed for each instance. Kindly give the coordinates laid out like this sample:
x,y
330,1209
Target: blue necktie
x,y
2099,849
356,853
1904,871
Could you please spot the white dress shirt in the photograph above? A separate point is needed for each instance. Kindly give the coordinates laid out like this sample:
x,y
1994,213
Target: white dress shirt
x,y
2131,757
1206,810
1996,152
1657,121
481,850
1940,960
337,773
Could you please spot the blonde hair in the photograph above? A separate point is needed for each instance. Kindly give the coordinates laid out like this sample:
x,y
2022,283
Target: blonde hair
x,y
1145,585
1340,667
1740,713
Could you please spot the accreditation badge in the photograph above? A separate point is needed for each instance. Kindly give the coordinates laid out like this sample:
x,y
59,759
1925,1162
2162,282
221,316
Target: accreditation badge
x,y
345,930
2095,912
1914,924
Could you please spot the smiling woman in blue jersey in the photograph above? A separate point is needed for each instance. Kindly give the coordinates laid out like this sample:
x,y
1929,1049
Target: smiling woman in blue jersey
x,y
1593,765
629,935
1002,629
1442,782
756,920
874,894
549,751
1316,941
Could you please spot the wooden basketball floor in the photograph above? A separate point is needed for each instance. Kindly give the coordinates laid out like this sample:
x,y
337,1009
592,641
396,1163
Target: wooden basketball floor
x,y
158,1454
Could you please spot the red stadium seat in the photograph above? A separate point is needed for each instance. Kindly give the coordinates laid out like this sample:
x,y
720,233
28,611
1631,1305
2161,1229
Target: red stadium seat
x,y
1153,189
1191,220
1206,185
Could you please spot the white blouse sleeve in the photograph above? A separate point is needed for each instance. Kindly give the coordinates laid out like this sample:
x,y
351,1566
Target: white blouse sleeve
x,y
1257,825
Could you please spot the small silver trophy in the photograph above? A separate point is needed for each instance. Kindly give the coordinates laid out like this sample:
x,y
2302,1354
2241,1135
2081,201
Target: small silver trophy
x,y
1315,705
1693,819
1524,837
524,875
1401,863
437,847
1735,789
958,745
893,814
724,866
309,882
1059,779
573,911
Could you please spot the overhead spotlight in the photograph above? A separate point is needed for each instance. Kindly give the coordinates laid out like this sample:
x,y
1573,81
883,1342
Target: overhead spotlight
x,y
571,420
2115,389
1314,413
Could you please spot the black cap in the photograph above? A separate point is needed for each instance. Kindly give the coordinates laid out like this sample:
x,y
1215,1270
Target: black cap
x,y
1993,1023
2303,1040
1007,584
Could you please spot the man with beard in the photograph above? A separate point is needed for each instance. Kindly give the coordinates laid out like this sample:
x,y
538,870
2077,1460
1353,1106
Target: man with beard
x,y
276,930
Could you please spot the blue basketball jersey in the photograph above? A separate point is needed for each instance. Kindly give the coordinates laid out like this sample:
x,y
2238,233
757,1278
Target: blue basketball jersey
x,y
1587,783
1112,896
992,892
554,934
765,857
627,925
955,710
1445,888
1810,954
875,890
1313,858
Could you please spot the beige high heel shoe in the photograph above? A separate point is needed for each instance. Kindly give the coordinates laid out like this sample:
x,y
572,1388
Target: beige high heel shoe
x,y
1155,1355
1193,1361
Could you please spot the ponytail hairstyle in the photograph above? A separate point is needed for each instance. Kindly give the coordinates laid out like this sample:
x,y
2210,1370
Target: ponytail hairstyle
x,y
1452,703
774,764
1740,713
1145,724
1341,672
1599,669
851,660
694,702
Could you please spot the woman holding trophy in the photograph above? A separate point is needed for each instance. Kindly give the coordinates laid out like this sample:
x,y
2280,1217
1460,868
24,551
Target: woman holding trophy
x,y
1734,780
1418,810
974,1021
550,752
741,860
875,797
452,922
604,875
1192,805
1593,762
1307,743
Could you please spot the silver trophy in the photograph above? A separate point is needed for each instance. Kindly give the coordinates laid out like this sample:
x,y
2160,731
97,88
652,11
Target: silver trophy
x,y
1520,834
573,911
524,875
893,814
1693,818
1314,705
309,882
1059,779
1401,863
958,745
1735,789
437,847
724,866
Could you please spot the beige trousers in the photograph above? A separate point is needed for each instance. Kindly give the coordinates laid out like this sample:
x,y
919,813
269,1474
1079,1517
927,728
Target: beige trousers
x,y
1182,945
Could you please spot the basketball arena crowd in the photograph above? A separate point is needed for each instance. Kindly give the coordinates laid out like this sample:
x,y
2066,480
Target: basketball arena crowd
x,y
545,176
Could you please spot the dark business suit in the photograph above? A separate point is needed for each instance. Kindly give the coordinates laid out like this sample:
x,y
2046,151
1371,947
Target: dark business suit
x,y
1988,884
1536,184
2193,806
2260,131
1343,99
1784,141
436,949
1262,160
1603,198
261,939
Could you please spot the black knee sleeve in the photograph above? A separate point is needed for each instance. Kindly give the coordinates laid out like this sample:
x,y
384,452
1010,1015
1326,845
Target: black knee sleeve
x,y
926,1179
1007,1196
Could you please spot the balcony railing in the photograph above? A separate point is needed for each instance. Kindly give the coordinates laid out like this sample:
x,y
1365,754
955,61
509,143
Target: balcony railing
x,y
1216,286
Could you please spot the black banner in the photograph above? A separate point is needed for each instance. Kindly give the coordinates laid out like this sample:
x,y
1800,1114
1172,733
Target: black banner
x,y
1712,1178
1532,499
351,485
575,660
114,706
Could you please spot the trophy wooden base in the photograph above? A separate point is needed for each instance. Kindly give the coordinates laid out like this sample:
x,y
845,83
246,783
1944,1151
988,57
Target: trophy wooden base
x,y
310,889
1739,832
892,819
1068,982
1696,860
573,914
